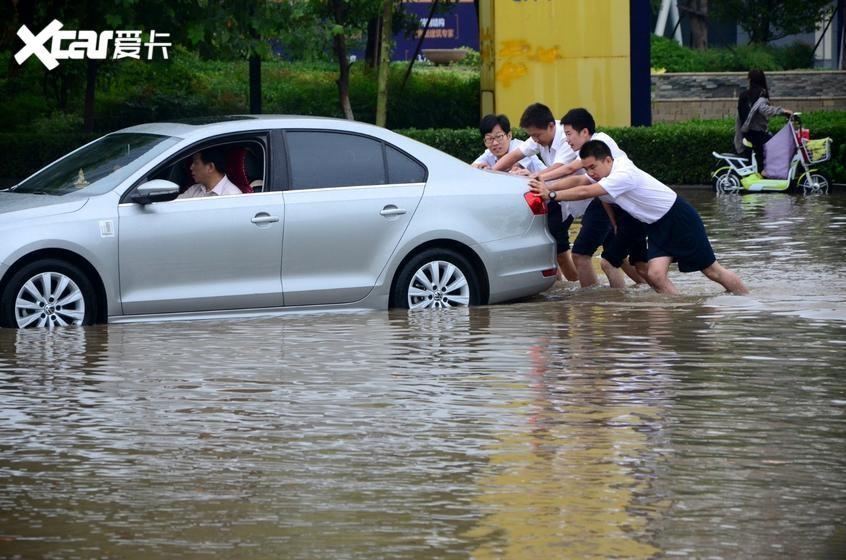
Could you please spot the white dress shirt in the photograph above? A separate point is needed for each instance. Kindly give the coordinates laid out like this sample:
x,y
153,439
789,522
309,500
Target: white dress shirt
x,y
557,152
223,187
532,164
637,192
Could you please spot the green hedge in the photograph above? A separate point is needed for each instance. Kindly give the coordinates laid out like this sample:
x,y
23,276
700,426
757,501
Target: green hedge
x,y
133,92
674,153
672,57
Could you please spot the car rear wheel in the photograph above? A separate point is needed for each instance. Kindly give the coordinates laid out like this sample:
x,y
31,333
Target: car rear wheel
x,y
436,278
46,294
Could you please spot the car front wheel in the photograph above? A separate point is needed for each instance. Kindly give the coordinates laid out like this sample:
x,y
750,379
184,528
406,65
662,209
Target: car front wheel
x,y
46,294
436,278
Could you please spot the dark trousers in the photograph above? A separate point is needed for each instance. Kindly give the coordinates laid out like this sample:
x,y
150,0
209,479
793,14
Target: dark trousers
x,y
758,138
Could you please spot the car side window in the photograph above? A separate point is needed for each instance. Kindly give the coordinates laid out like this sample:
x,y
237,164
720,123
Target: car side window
x,y
334,159
403,169
243,166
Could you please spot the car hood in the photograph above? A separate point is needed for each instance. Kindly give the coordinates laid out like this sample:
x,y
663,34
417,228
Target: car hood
x,y
33,205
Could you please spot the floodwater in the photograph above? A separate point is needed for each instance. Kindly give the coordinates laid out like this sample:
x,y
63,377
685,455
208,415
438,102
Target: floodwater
x,y
580,424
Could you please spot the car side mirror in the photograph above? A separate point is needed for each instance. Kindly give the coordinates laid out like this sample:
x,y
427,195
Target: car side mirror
x,y
157,190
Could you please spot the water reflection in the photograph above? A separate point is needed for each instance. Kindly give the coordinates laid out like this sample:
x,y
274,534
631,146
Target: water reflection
x,y
575,480
580,424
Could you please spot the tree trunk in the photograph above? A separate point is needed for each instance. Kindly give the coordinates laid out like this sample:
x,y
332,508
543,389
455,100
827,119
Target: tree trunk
x,y
842,17
90,86
384,63
759,33
697,11
339,45
255,84
371,50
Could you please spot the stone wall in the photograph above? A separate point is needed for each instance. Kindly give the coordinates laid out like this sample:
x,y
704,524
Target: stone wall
x,y
684,96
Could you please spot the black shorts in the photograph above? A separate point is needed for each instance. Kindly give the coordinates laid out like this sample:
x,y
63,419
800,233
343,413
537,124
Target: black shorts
x,y
629,241
560,229
680,234
596,230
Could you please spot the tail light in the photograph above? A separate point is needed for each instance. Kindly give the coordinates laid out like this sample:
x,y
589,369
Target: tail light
x,y
536,203
549,272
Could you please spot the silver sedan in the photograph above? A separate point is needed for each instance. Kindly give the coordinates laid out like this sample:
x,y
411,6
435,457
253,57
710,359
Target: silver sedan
x,y
331,214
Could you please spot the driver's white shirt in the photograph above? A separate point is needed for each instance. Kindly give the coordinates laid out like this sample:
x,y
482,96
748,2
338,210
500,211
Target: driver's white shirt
x,y
223,187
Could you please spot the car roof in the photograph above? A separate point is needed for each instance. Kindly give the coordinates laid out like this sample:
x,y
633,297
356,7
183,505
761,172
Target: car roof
x,y
202,127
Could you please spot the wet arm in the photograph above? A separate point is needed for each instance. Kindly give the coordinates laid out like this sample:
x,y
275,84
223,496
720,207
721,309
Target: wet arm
x,y
558,170
509,160
568,183
581,193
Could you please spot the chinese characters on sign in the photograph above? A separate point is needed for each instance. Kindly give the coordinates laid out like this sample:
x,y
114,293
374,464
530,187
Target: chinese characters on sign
x,y
87,44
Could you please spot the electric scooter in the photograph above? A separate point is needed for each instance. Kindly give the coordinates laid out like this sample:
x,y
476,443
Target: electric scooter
x,y
736,173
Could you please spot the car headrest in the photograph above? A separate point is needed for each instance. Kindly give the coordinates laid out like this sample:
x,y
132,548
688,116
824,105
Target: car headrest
x,y
236,169
253,166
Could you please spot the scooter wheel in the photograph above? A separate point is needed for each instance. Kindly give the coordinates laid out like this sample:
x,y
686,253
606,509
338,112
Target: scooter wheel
x,y
813,183
726,181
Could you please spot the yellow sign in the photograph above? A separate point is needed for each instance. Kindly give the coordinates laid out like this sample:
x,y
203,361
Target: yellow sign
x,y
562,53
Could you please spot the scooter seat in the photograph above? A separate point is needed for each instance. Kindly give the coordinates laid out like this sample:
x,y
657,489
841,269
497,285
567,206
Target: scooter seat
x,y
729,155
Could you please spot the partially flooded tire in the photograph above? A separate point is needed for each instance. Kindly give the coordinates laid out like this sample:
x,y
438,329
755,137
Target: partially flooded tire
x,y
47,293
436,279
726,181
813,183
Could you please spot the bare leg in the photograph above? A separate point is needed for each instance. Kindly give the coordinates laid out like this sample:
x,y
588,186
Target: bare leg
x,y
614,274
566,266
658,273
584,268
643,270
726,278
632,272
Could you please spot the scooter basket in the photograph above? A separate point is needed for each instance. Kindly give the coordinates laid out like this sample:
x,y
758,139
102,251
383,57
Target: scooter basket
x,y
818,151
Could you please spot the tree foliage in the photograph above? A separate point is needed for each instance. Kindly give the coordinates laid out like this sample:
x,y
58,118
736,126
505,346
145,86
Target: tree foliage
x,y
767,20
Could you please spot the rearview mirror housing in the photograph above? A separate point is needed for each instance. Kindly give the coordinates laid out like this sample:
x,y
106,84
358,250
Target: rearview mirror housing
x,y
157,190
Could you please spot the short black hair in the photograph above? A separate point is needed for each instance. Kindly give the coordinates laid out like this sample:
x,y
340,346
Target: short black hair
x,y
490,121
216,157
536,115
579,119
596,149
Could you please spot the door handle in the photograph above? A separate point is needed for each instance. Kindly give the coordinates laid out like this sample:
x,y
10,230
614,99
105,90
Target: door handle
x,y
391,210
264,218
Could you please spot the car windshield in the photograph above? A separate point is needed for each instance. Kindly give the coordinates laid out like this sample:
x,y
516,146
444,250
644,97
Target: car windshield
x,y
98,167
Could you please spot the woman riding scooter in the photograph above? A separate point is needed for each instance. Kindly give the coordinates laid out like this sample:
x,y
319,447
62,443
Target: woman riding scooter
x,y
753,114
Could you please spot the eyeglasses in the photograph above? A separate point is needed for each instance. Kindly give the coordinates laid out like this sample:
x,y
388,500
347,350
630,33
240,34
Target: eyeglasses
x,y
491,139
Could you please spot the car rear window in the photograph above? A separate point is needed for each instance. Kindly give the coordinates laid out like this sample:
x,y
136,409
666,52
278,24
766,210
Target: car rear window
x,y
403,169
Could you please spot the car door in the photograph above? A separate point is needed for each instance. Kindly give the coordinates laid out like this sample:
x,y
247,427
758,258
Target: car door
x,y
349,201
201,254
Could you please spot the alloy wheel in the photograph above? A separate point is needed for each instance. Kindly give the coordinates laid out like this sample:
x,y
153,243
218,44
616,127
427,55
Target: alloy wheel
x,y
438,284
49,299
